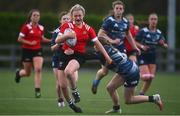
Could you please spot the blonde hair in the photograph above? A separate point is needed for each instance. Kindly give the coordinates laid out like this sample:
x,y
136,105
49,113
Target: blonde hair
x,y
77,7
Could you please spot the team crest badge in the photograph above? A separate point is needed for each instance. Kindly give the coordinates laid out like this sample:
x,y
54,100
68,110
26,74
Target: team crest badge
x,y
84,32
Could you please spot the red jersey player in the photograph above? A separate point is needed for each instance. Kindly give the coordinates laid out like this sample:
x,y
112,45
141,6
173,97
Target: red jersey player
x,y
31,36
134,30
74,57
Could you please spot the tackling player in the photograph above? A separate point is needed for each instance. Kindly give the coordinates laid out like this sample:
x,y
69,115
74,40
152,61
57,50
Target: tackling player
x,y
115,29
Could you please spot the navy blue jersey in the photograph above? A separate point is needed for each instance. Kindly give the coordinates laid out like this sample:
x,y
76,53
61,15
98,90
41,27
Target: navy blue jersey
x,y
53,39
57,52
123,66
149,38
115,29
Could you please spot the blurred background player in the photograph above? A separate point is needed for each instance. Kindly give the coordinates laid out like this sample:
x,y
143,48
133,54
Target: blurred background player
x,y
131,53
73,57
31,36
115,29
148,39
57,50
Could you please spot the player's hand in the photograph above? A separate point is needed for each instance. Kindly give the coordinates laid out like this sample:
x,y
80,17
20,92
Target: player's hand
x,y
111,65
138,51
161,42
33,42
71,34
165,45
116,41
144,47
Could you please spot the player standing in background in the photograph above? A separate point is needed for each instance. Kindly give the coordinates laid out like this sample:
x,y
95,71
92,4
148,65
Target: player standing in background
x,y
114,29
148,39
31,36
131,53
57,50
73,56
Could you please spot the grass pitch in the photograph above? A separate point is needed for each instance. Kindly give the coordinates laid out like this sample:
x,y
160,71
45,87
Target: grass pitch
x,y
18,99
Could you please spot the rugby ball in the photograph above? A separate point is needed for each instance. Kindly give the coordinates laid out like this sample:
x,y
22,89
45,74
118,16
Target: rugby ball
x,y
71,42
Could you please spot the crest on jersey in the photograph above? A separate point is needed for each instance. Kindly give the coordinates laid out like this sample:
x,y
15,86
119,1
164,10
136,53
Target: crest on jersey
x,y
84,32
31,31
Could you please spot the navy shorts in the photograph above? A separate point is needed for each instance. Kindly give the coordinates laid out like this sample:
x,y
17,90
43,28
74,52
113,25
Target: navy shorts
x,y
55,61
56,57
146,58
132,77
29,54
131,53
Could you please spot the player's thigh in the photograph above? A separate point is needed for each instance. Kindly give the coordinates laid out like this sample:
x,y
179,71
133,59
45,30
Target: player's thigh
x,y
115,82
38,62
104,69
72,66
144,69
27,67
128,93
152,68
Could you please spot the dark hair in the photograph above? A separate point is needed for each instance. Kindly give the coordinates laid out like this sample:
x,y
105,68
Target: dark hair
x,y
30,14
62,14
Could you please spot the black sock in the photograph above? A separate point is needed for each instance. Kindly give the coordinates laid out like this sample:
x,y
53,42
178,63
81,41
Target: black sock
x,y
151,99
60,100
116,107
37,89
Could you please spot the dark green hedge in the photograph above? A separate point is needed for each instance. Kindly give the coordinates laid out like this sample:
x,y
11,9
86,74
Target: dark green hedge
x,y
10,24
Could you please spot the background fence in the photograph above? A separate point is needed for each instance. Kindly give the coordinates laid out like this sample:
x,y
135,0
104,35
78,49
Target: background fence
x,y
10,56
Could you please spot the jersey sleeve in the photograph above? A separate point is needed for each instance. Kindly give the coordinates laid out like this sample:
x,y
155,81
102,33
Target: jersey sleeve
x,y
92,34
63,27
54,35
139,36
24,31
162,37
106,24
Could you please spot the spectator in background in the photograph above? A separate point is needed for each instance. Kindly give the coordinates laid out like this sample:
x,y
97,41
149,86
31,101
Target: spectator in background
x,y
31,36
148,39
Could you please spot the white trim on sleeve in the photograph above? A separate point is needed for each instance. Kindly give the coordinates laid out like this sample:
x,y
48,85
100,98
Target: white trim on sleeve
x,y
59,34
21,34
94,39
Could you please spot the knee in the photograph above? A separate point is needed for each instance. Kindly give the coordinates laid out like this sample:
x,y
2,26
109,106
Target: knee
x,y
38,70
27,73
68,73
128,101
63,86
104,72
146,77
109,88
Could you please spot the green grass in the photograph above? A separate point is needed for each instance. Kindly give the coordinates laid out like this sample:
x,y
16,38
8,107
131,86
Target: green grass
x,y
18,99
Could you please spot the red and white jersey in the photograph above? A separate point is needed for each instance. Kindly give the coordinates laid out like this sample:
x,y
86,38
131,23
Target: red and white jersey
x,y
83,34
32,33
134,30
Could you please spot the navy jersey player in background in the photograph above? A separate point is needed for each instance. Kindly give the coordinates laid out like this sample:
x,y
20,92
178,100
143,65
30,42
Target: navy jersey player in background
x,y
148,39
127,74
115,29
56,48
